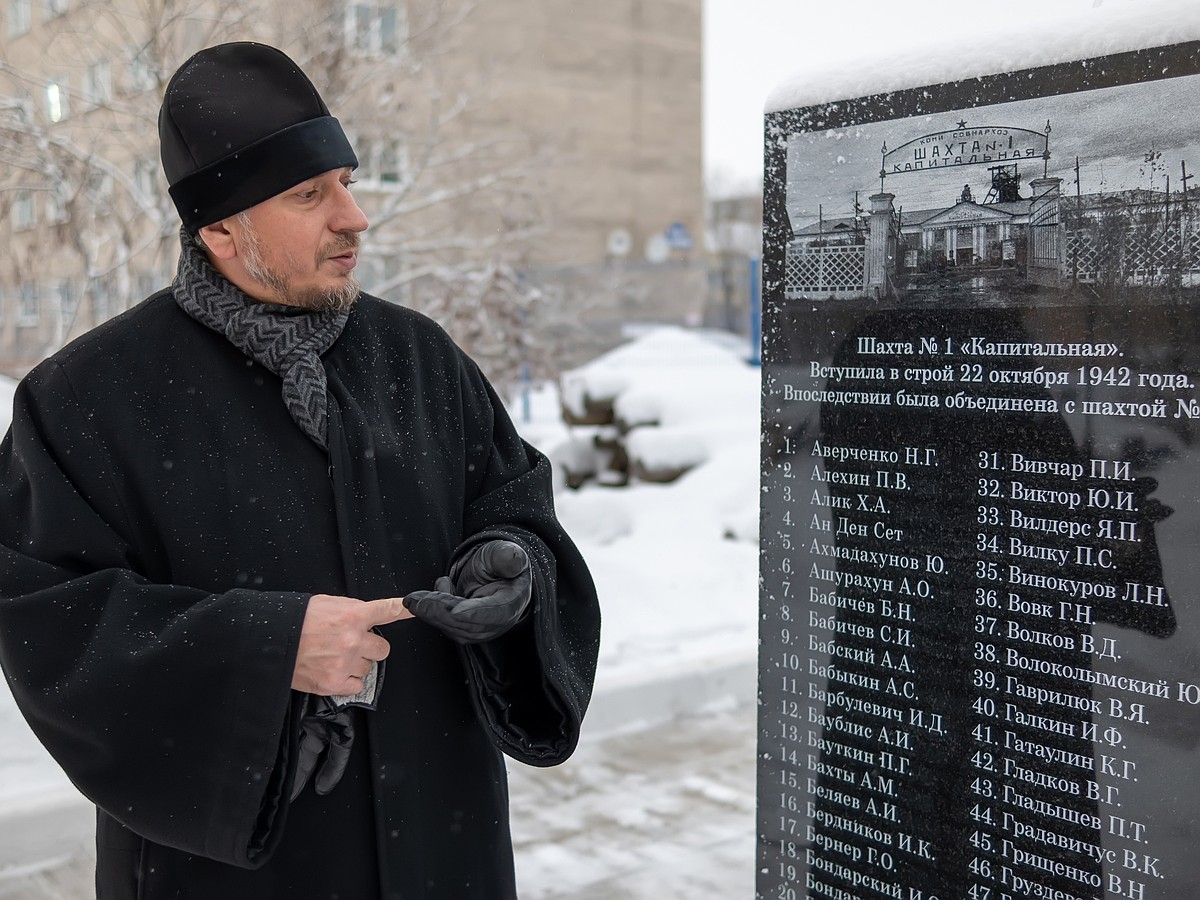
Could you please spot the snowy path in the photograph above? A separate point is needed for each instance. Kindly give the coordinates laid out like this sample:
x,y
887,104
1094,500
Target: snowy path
x,y
664,812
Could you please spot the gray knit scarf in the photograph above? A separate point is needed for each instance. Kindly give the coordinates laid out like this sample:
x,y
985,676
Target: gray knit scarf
x,y
286,340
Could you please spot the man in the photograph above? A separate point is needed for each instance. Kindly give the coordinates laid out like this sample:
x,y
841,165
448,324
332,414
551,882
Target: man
x,y
197,498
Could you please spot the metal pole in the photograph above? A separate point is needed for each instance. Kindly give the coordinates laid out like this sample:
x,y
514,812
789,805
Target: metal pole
x,y
1046,153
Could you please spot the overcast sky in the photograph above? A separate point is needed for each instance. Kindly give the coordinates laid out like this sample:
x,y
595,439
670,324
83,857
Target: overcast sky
x,y
750,46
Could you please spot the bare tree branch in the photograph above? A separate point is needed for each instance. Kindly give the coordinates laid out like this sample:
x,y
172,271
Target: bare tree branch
x,y
453,213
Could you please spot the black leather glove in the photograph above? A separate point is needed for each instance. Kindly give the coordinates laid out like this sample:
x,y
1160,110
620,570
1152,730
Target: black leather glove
x,y
324,729
486,594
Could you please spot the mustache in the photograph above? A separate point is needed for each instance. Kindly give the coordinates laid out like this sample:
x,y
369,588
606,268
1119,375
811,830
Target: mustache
x,y
347,241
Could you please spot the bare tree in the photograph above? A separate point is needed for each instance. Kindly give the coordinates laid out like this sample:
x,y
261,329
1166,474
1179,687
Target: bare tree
x,y
453,205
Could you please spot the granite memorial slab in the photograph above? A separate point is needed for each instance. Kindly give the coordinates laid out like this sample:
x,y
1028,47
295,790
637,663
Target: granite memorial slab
x,y
980,654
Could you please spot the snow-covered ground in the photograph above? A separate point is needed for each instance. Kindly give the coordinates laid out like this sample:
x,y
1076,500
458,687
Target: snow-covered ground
x,y
675,564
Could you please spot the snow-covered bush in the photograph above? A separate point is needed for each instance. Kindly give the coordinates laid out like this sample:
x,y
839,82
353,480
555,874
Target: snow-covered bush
x,y
657,407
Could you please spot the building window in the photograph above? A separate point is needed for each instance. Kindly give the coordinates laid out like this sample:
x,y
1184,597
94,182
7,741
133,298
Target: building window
x,y
29,307
393,161
103,292
142,74
145,178
97,82
147,283
195,35
383,162
57,104
376,29
100,190
24,211
393,286
52,8
56,206
18,17
67,298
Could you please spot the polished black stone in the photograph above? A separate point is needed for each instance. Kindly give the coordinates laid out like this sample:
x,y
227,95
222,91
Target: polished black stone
x,y
980,654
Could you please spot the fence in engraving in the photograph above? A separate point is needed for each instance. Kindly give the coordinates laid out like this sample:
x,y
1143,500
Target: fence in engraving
x,y
1110,251
838,269
1044,236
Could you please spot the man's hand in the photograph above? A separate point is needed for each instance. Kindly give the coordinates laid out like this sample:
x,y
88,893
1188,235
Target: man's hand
x,y
486,595
337,646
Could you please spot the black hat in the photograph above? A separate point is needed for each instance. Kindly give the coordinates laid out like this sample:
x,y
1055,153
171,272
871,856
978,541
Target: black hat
x,y
239,124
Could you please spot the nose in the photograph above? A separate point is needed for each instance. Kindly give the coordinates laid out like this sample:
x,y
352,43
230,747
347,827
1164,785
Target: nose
x,y
348,215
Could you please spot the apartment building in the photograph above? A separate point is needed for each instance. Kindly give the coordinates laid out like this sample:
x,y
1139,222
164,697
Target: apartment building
x,y
538,146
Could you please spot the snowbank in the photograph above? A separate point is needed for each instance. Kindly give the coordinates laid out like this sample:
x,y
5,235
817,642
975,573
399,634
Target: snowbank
x,y
674,396
676,565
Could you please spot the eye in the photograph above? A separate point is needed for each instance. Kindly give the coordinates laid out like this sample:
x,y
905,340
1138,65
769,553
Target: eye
x,y
306,195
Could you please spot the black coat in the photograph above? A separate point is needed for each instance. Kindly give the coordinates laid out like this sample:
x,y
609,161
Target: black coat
x,y
163,522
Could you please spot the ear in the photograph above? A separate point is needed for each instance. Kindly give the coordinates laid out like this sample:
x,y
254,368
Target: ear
x,y
219,239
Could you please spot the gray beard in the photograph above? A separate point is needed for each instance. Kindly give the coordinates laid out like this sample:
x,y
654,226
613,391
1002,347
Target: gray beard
x,y
316,299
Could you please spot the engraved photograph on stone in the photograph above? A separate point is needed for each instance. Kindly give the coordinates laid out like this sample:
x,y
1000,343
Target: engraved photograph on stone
x,y
980,658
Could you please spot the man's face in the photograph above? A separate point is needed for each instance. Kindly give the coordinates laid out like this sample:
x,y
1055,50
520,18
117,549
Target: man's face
x,y
300,247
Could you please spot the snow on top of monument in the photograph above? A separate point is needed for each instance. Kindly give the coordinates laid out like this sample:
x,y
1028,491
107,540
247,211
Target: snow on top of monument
x,y
956,49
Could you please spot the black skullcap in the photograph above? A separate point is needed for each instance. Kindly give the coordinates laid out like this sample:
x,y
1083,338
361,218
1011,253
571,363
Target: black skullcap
x,y
239,124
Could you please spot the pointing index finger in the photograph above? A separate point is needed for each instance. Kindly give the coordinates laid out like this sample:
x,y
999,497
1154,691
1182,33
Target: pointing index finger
x,y
386,611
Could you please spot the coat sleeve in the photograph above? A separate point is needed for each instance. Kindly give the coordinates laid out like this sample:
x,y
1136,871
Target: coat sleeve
x,y
167,706
532,685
